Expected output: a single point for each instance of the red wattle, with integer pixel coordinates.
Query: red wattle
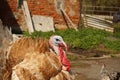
(64, 60)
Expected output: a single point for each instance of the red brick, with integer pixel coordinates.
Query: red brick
(45, 8)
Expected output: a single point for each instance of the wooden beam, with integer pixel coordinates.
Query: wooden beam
(65, 14)
(28, 17)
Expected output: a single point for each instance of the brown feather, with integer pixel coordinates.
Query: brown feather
(41, 66)
(33, 58)
(19, 49)
(26, 45)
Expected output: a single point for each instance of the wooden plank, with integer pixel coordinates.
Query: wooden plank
(28, 17)
(43, 23)
(65, 14)
(97, 23)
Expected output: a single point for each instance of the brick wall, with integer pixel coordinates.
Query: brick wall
(12, 16)
(6, 12)
(48, 8)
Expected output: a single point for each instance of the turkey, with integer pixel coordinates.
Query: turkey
(106, 75)
(5, 40)
(58, 44)
(38, 59)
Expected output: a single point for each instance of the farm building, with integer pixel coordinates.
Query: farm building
(22, 14)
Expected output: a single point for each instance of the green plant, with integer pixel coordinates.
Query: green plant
(113, 55)
(116, 27)
(85, 38)
(116, 35)
(115, 45)
(72, 57)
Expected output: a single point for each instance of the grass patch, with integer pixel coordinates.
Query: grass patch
(72, 57)
(113, 55)
(85, 38)
(80, 64)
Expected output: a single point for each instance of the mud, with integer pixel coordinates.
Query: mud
(90, 68)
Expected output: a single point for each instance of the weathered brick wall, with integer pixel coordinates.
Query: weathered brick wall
(6, 12)
(12, 16)
(48, 8)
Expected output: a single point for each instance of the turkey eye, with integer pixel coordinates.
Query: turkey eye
(57, 40)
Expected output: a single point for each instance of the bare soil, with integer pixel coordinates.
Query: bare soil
(87, 67)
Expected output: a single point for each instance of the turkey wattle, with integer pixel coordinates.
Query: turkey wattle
(57, 43)
(31, 59)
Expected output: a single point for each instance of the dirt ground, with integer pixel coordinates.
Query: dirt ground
(90, 68)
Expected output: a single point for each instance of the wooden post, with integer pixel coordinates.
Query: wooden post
(28, 17)
(74, 26)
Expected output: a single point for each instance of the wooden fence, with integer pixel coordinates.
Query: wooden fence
(92, 21)
(100, 10)
(99, 16)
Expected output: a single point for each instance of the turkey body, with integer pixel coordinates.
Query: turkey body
(31, 59)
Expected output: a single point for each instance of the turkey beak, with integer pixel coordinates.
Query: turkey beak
(63, 44)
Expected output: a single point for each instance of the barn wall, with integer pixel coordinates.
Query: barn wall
(48, 8)
(12, 16)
